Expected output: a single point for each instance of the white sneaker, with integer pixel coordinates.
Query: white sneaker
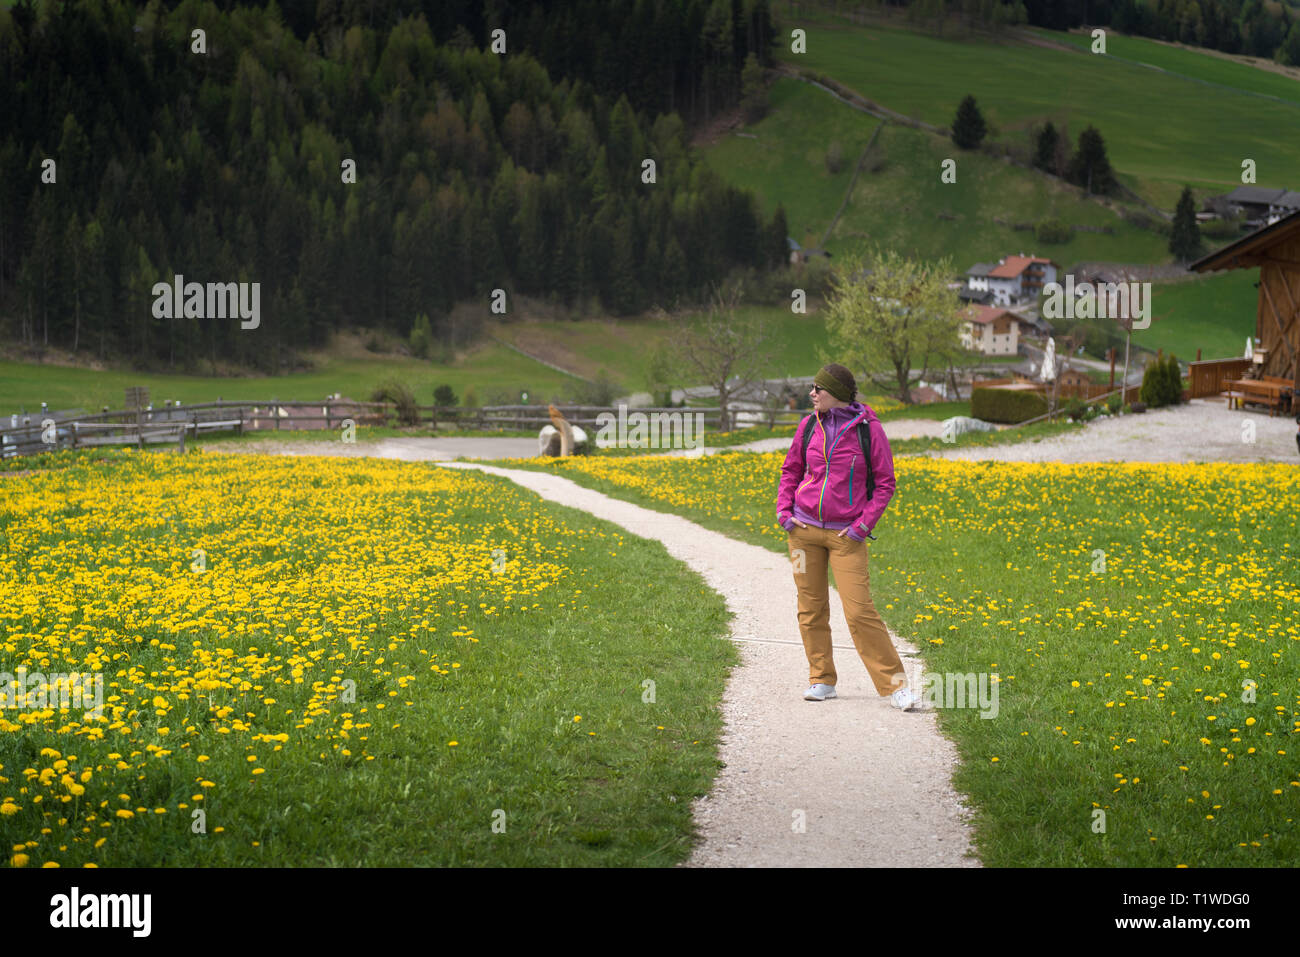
(904, 700)
(819, 693)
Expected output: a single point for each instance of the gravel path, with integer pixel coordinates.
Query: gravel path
(873, 783)
(1204, 430)
(408, 450)
(450, 449)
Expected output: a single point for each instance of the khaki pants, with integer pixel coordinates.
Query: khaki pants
(811, 549)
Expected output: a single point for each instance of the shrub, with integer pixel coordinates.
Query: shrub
(1153, 385)
(1222, 228)
(401, 397)
(1114, 404)
(444, 396)
(471, 397)
(598, 392)
(834, 157)
(421, 336)
(1173, 380)
(1162, 383)
(1075, 408)
(1053, 231)
(441, 353)
(1006, 405)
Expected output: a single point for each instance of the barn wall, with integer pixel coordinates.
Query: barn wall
(1282, 282)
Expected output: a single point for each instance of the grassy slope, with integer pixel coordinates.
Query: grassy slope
(489, 367)
(786, 163)
(900, 204)
(1191, 64)
(1018, 84)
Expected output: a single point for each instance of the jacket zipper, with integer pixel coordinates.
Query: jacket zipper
(851, 464)
(827, 457)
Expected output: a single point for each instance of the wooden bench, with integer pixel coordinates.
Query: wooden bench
(1234, 399)
(1287, 389)
(1262, 393)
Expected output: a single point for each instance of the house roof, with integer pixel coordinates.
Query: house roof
(1243, 252)
(985, 314)
(1013, 266)
(980, 269)
(791, 243)
(1288, 200)
(1254, 194)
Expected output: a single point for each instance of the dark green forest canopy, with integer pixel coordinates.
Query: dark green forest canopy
(474, 170)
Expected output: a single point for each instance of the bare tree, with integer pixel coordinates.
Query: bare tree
(726, 349)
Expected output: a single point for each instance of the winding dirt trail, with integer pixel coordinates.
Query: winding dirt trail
(870, 784)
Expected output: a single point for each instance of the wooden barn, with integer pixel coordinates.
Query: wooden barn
(1275, 250)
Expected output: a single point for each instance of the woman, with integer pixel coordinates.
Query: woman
(831, 496)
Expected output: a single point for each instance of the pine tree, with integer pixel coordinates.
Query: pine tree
(778, 242)
(753, 93)
(1045, 148)
(968, 129)
(1090, 168)
(1185, 239)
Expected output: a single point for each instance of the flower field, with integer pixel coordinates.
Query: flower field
(343, 662)
(1143, 621)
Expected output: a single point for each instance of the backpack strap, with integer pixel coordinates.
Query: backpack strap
(810, 424)
(864, 437)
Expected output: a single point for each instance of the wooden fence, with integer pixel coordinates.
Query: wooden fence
(1206, 378)
(1087, 391)
(1130, 396)
(45, 431)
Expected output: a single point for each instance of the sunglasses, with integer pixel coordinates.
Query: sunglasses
(818, 389)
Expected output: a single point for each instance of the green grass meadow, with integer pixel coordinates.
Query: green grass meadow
(544, 716)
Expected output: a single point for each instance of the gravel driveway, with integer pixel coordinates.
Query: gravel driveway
(1203, 430)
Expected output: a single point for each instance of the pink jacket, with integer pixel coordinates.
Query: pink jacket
(836, 497)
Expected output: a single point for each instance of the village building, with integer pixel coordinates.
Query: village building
(990, 330)
(1270, 376)
(1262, 205)
(1010, 280)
